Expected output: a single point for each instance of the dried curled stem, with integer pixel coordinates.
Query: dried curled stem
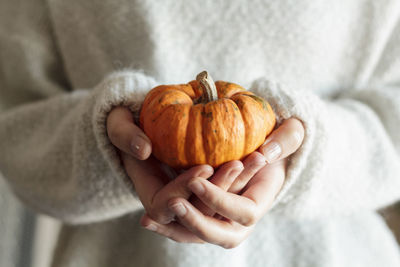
(209, 89)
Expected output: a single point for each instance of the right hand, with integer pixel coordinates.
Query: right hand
(249, 197)
(125, 135)
(151, 183)
(152, 186)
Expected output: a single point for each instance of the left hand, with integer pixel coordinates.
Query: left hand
(244, 204)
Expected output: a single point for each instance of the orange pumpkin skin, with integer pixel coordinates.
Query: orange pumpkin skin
(186, 133)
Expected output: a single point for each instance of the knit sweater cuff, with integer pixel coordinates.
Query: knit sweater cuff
(288, 103)
(123, 88)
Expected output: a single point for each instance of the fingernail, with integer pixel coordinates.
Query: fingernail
(178, 209)
(151, 227)
(272, 151)
(139, 147)
(196, 188)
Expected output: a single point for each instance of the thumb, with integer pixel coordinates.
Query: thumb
(284, 141)
(125, 135)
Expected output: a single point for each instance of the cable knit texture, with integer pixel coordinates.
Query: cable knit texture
(336, 67)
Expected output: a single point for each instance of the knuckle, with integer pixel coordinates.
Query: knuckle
(202, 171)
(257, 156)
(256, 161)
(236, 165)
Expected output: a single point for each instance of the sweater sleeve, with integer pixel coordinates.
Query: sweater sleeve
(57, 158)
(350, 157)
(55, 153)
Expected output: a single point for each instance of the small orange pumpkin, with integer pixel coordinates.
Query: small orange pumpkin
(203, 122)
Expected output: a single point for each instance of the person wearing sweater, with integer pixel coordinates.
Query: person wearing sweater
(68, 67)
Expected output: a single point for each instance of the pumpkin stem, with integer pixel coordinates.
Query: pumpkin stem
(208, 85)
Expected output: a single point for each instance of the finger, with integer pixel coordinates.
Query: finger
(178, 186)
(153, 191)
(147, 178)
(252, 164)
(284, 141)
(266, 184)
(173, 230)
(248, 208)
(220, 232)
(226, 174)
(158, 210)
(232, 206)
(125, 135)
(223, 178)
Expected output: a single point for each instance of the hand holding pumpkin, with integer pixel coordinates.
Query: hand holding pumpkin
(245, 203)
(237, 199)
(151, 183)
(125, 135)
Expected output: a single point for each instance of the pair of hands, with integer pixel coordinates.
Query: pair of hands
(226, 204)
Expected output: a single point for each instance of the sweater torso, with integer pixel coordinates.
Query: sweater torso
(310, 45)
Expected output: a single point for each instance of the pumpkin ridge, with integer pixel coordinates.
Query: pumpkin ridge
(155, 107)
(173, 136)
(203, 133)
(153, 93)
(259, 100)
(244, 127)
(186, 145)
(184, 156)
(156, 141)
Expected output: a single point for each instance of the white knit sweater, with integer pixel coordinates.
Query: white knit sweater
(335, 65)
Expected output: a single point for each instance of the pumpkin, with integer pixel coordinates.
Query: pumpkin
(203, 122)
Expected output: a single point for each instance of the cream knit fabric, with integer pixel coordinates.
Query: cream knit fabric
(335, 65)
